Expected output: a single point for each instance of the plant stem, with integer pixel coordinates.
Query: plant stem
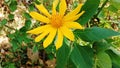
(100, 9)
(95, 60)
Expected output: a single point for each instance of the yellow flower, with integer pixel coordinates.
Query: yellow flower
(57, 24)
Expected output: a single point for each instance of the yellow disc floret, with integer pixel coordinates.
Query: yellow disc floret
(56, 20)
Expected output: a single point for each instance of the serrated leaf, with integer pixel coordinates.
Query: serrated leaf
(95, 34)
(90, 7)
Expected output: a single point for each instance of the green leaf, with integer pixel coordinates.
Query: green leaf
(87, 54)
(82, 57)
(26, 15)
(115, 59)
(90, 7)
(11, 16)
(11, 36)
(27, 26)
(3, 22)
(38, 1)
(10, 65)
(26, 39)
(31, 7)
(35, 49)
(95, 34)
(20, 38)
(28, 23)
(112, 8)
(103, 60)
(70, 64)
(101, 46)
(13, 6)
(14, 44)
(62, 56)
(115, 3)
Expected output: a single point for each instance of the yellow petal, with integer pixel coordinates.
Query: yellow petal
(74, 12)
(67, 33)
(59, 40)
(41, 36)
(50, 37)
(73, 25)
(39, 17)
(42, 9)
(62, 7)
(55, 3)
(73, 18)
(39, 30)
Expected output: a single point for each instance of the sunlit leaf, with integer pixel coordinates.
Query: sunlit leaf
(95, 33)
(103, 60)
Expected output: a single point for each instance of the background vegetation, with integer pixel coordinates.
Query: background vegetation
(97, 46)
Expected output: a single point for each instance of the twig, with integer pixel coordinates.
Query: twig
(9, 27)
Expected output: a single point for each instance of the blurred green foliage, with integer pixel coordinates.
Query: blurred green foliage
(101, 21)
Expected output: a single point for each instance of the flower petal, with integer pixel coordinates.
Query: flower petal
(73, 25)
(73, 18)
(59, 40)
(50, 37)
(42, 9)
(39, 30)
(39, 17)
(55, 3)
(62, 7)
(67, 33)
(74, 12)
(41, 36)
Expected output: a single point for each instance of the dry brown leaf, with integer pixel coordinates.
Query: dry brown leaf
(51, 63)
(32, 56)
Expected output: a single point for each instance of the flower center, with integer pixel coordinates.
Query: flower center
(56, 20)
